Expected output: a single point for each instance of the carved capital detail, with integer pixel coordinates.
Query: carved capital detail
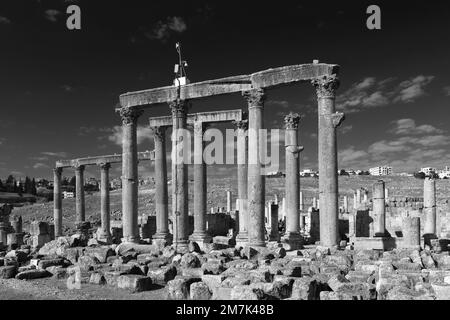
(159, 132)
(337, 119)
(105, 165)
(255, 97)
(292, 120)
(79, 167)
(243, 124)
(58, 171)
(179, 108)
(130, 115)
(326, 86)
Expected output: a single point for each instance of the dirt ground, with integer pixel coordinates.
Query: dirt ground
(56, 289)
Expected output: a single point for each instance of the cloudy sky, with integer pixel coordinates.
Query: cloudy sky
(59, 87)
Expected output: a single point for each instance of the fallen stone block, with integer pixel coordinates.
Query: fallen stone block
(100, 253)
(337, 282)
(97, 278)
(212, 268)
(190, 260)
(192, 272)
(87, 262)
(442, 291)
(33, 274)
(199, 291)
(26, 268)
(242, 264)
(231, 282)
(18, 255)
(221, 293)
(44, 264)
(403, 293)
(162, 275)
(134, 283)
(247, 293)
(178, 289)
(8, 272)
(212, 281)
(58, 272)
(305, 288)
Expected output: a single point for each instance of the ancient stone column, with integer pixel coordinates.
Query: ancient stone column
(302, 216)
(358, 197)
(57, 201)
(429, 206)
(314, 203)
(292, 188)
(256, 177)
(411, 232)
(180, 214)
(200, 234)
(329, 120)
(345, 204)
(162, 234)
(130, 174)
(104, 234)
(242, 126)
(379, 207)
(79, 190)
(365, 196)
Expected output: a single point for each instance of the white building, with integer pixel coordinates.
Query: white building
(380, 171)
(67, 194)
(428, 171)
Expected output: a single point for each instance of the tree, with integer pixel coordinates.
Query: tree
(10, 184)
(419, 175)
(33, 189)
(27, 185)
(2, 188)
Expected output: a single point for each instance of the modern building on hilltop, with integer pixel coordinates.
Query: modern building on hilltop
(380, 171)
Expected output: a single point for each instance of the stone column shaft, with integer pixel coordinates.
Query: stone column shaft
(345, 204)
(200, 186)
(328, 180)
(411, 232)
(242, 151)
(292, 187)
(161, 197)
(256, 178)
(79, 190)
(105, 234)
(180, 214)
(429, 206)
(57, 201)
(130, 174)
(379, 208)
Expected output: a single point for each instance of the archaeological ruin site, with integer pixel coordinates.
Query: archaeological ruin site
(372, 246)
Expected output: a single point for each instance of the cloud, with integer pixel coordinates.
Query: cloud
(412, 89)
(4, 20)
(61, 154)
(44, 158)
(408, 126)
(87, 131)
(447, 90)
(67, 88)
(346, 129)
(52, 15)
(163, 30)
(115, 136)
(40, 165)
(370, 93)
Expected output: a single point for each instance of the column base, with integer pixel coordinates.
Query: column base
(105, 238)
(162, 239)
(256, 244)
(242, 239)
(181, 246)
(292, 241)
(130, 239)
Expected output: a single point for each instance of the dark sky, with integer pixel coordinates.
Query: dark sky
(58, 87)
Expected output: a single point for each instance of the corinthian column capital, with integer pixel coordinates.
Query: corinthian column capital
(130, 115)
(179, 108)
(255, 97)
(158, 132)
(326, 86)
(58, 171)
(105, 165)
(79, 167)
(243, 124)
(292, 120)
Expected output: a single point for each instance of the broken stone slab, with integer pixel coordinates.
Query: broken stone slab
(337, 282)
(276, 290)
(222, 293)
(134, 283)
(87, 262)
(33, 274)
(58, 272)
(178, 289)
(231, 282)
(199, 291)
(97, 278)
(138, 248)
(410, 266)
(403, 293)
(442, 291)
(26, 268)
(192, 272)
(163, 274)
(8, 272)
(212, 281)
(212, 268)
(247, 293)
(241, 264)
(305, 288)
(44, 264)
(18, 255)
(190, 260)
(101, 253)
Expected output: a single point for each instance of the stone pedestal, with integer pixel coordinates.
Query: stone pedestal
(328, 180)
(411, 232)
(256, 177)
(130, 174)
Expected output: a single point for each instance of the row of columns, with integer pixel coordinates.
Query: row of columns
(104, 234)
(251, 177)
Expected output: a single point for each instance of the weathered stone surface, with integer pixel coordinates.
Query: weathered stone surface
(18, 255)
(442, 291)
(33, 274)
(8, 272)
(222, 293)
(190, 260)
(212, 281)
(97, 278)
(87, 262)
(212, 268)
(305, 288)
(192, 272)
(247, 293)
(134, 283)
(200, 291)
(58, 272)
(177, 289)
(403, 293)
(100, 253)
(231, 282)
(163, 274)
(44, 264)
